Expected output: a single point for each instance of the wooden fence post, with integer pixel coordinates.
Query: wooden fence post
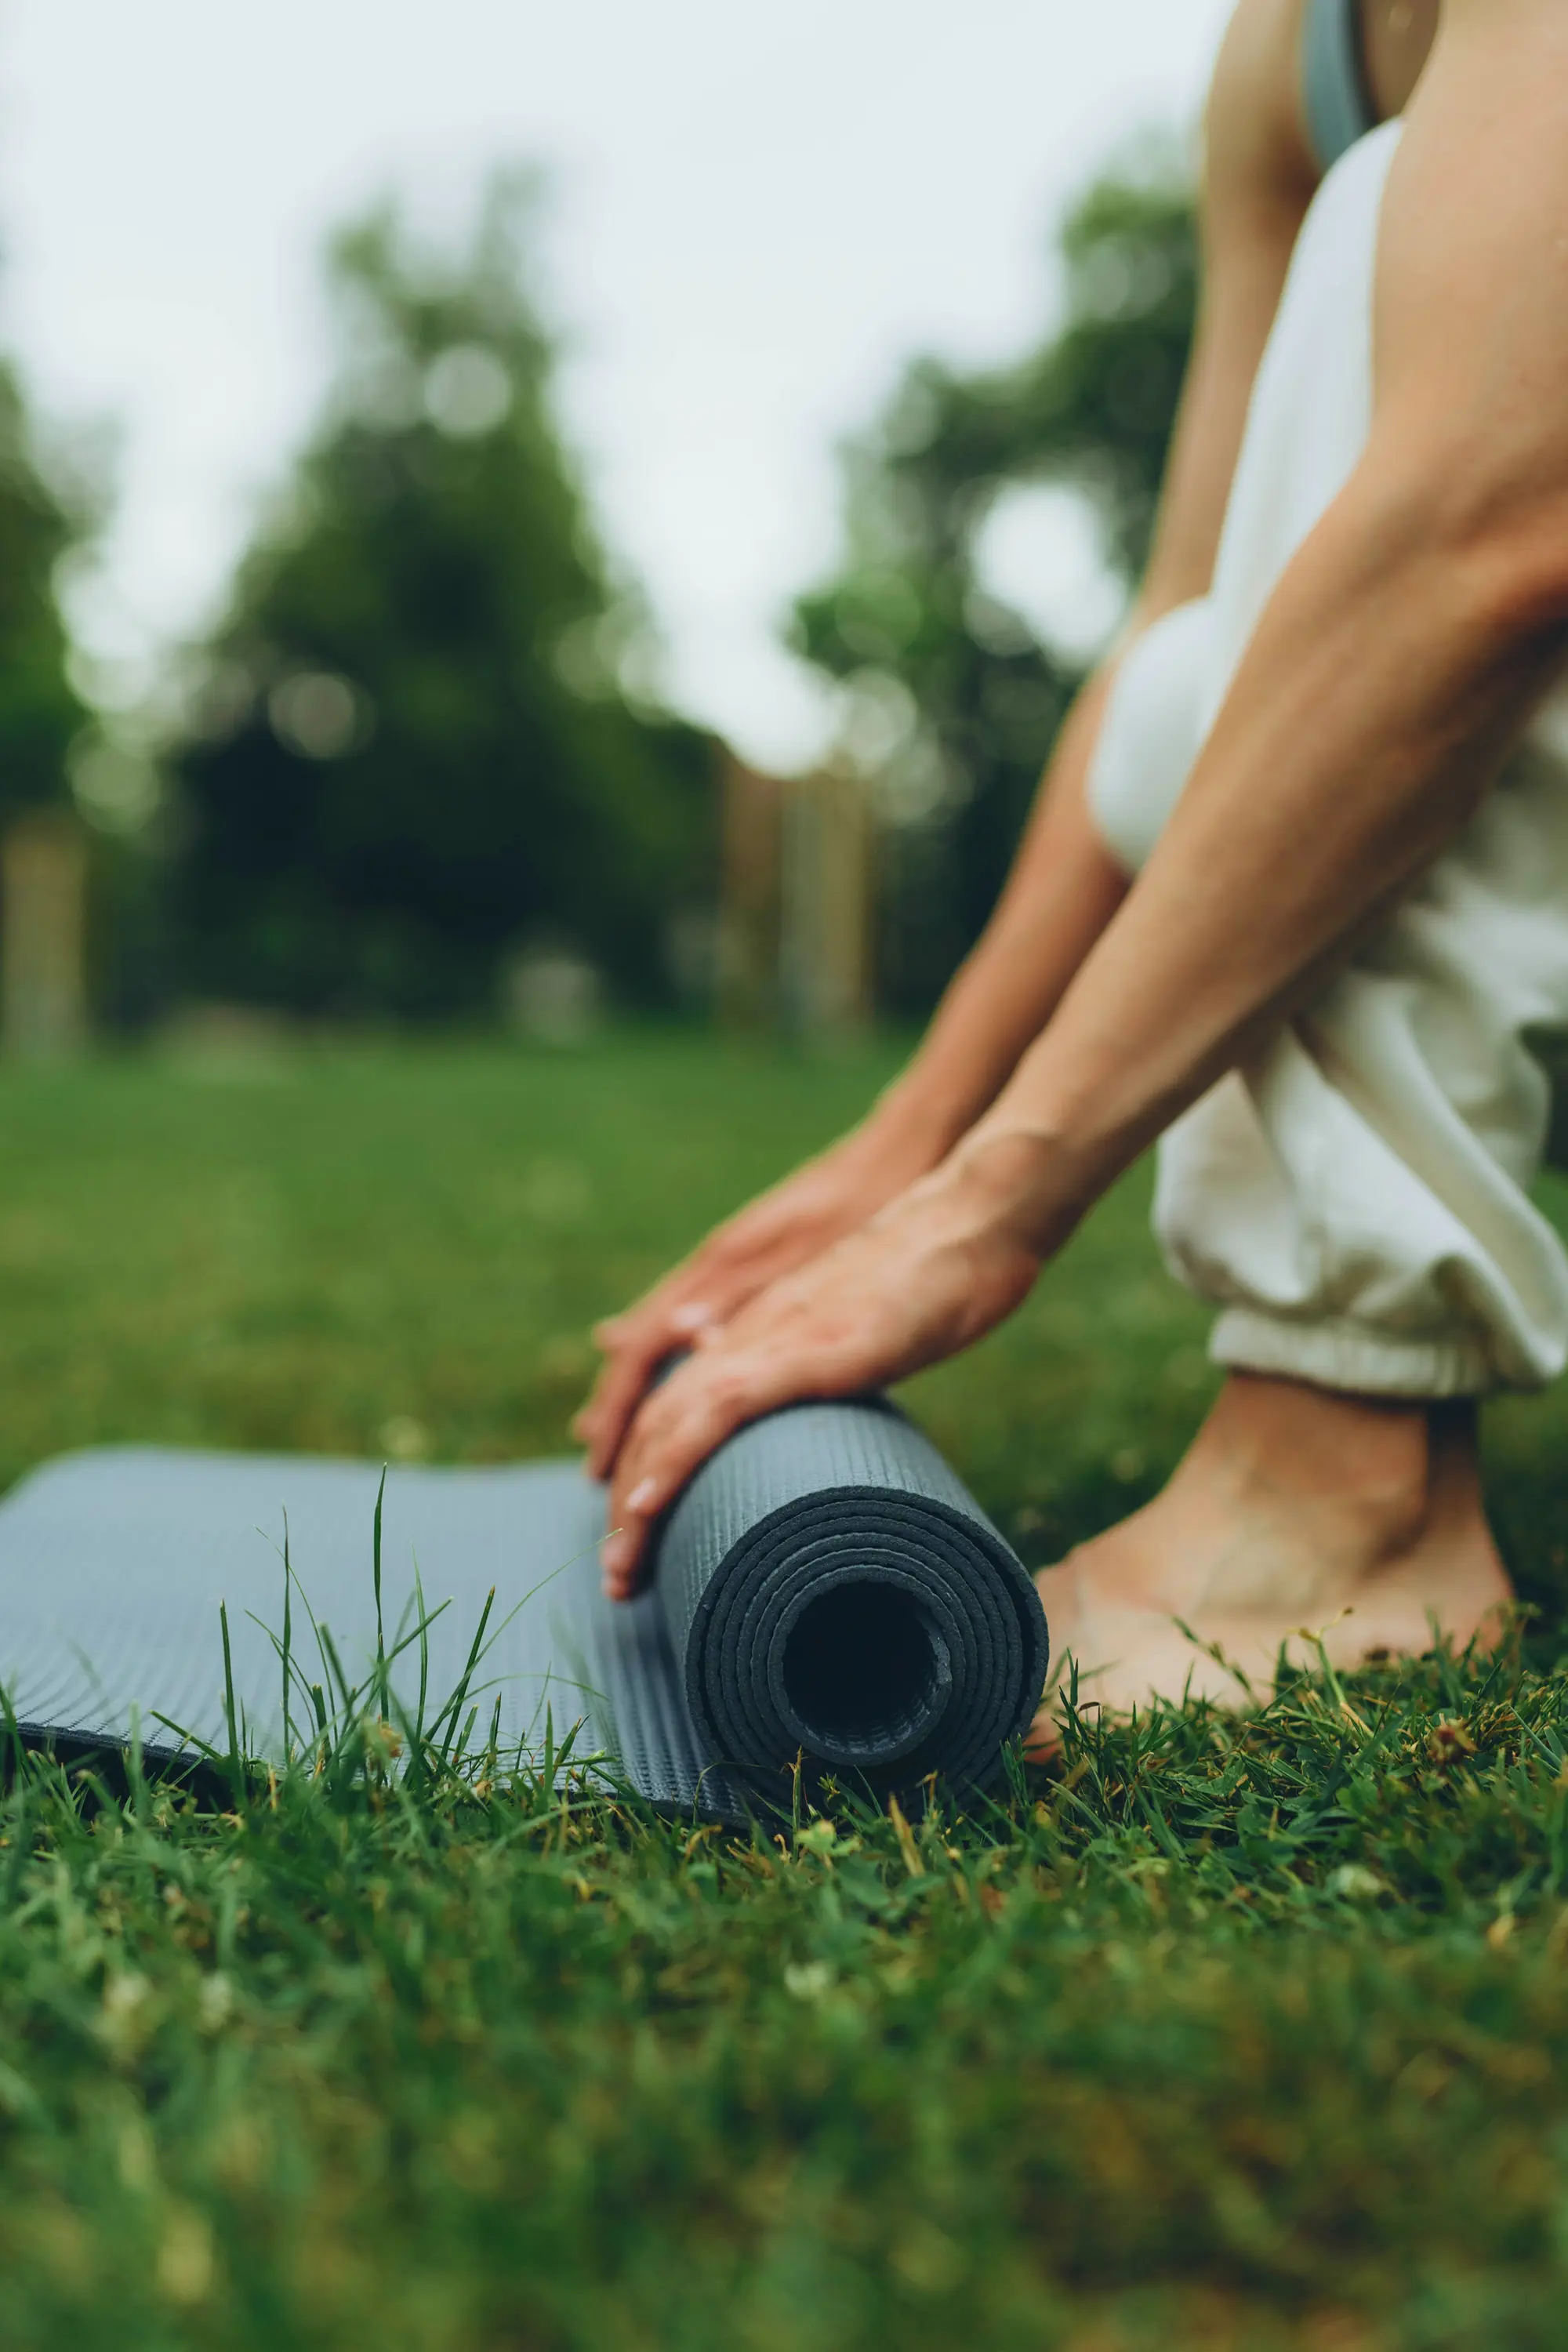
(826, 959)
(750, 896)
(43, 936)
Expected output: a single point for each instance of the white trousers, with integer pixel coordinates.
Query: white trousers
(1355, 1200)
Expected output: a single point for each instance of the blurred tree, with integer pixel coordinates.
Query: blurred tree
(953, 700)
(40, 520)
(418, 740)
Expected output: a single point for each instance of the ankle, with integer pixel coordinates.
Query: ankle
(1374, 1458)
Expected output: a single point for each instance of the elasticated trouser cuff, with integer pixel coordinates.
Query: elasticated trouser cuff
(1348, 1357)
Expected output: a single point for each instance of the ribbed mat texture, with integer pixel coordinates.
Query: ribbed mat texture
(826, 1590)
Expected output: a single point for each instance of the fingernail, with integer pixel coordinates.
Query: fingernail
(612, 1554)
(692, 1317)
(643, 1496)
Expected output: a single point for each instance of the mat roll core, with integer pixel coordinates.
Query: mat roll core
(825, 1590)
(834, 1592)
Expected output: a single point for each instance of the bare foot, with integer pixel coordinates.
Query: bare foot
(1296, 1508)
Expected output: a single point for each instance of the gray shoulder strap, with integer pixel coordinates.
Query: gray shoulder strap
(1338, 112)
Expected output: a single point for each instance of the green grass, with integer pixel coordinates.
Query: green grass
(1224, 2034)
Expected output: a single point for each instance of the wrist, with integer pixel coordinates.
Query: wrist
(1020, 1183)
(916, 1123)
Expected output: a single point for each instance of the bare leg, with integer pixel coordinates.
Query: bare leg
(1296, 1511)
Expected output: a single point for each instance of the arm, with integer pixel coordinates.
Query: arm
(1405, 647)
(1065, 887)
(1258, 182)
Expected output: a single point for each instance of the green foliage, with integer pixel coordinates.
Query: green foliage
(1237, 2032)
(952, 695)
(1098, 403)
(39, 712)
(416, 742)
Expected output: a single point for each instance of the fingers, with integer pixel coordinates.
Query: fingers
(636, 1345)
(734, 1265)
(605, 1420)
(662, 1457)
(699, 1406)
(615, 1331)
(686, 1322)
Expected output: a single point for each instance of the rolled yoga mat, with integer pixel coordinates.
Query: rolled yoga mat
(826, 1589)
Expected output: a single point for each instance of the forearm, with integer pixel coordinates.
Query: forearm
(1383, 687)
(1063, 889)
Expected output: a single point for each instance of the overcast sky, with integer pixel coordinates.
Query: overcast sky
(760, 212)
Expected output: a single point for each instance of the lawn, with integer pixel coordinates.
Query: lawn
(1223, 2035)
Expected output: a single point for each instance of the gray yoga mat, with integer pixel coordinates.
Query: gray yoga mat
(825, 1588)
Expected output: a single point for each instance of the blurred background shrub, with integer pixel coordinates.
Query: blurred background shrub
(421, 770)
(953, 696)
(46, 509)
(418, 742)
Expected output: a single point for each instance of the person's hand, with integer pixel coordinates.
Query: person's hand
(932, 1272)
(784, 1230)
